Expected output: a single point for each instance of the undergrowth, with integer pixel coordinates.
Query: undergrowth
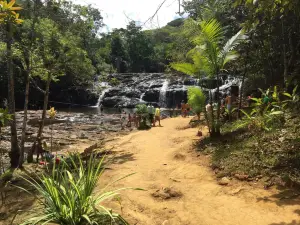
(257, 153)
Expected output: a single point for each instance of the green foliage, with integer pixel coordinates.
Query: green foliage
(196, 99)
(267, 116)
(4, 117)
(68, 197)
(209, 57)
(114, 82)
(141, 109)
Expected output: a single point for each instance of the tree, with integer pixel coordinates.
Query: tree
(27, 48)
(210, 56)
(9, 17)
(140, 49)
(118, 53)
(59, 54)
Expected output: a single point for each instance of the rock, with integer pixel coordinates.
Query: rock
(241, 176)
(83, 136)
(35, 122)
(73, 136)
(281, 139)
(166, 193)
(224, 181)
(179, 156)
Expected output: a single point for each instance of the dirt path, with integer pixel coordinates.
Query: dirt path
(163, 159)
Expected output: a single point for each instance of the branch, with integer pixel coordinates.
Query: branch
(151, 18)
(36, 86)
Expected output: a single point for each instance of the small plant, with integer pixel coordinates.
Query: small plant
(196, 99)
(142, 112)
(68, 198)
(141, 109)
(52, 114)
(114, 82)
(293, 99)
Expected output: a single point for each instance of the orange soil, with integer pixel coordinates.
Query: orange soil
(164, 159)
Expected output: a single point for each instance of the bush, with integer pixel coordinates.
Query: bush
(141, 109)
(196, 99)
(67, 195)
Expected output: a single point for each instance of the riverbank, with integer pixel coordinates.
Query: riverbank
(71, 131)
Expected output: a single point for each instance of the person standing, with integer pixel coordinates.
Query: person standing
(157, 116)
(135, 120)
(188, 108)
(123, 119)
(129, 120)
(151, 112)
(228, 102)
(183, 108)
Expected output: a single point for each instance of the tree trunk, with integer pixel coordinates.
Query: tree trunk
(15, 149)
(285, 73)
(40, 132)
(218, 131)
(41, 127)
(241, 94)
(24, 120)
(242, 85)
(28, 60)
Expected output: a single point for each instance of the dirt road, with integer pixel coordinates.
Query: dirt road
(180, 187)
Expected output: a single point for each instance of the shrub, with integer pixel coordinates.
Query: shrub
(67, 195)
(196, 99)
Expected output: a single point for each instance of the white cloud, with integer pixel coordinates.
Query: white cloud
(115, 12)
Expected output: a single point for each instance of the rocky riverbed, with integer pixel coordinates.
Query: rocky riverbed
(71, 131)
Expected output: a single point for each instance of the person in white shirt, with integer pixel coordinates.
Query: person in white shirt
(208, 107)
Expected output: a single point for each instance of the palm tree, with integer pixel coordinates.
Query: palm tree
(210, 55)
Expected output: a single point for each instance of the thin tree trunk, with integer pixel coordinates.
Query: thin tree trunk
(46, 97)
(242, 85)
(218, 131)
(212, 116)
(24, 120)
(241, 94)
(15, 149)
(285, 73)
(38, 140)
(28, 60)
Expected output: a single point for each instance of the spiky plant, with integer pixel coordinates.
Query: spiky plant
(68, 198)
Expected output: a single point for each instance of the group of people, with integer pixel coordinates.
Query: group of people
(134, 118)
(154, 116)
(227, 102)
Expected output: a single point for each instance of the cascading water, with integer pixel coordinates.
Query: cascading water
(167, 91)
(105, 88)
(102, 95)
(163, 94)
(143, 94)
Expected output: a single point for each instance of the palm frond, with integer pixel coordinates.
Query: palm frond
(228, 54)
(211, 31)
(186, 68)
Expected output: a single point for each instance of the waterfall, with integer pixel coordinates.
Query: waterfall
(105, 88)
(163, 94)
(102, 95)
(143, 94)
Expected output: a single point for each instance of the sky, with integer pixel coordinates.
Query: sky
(118, 13)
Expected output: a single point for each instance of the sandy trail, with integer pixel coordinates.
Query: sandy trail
(164, 157)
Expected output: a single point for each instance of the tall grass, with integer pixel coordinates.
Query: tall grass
(67, 197)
